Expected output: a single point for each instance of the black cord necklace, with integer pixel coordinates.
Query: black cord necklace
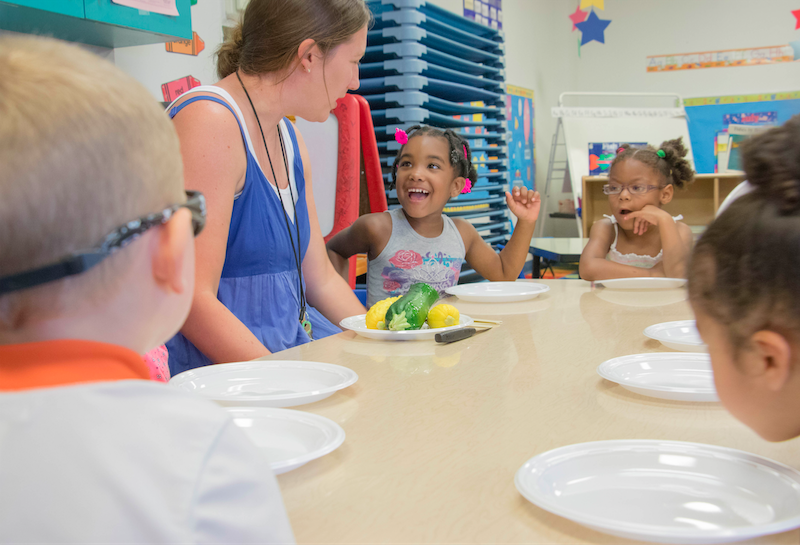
(296, 252)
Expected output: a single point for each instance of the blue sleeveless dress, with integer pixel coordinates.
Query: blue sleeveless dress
(259, 281)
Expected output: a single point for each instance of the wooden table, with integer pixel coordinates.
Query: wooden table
(435, 433)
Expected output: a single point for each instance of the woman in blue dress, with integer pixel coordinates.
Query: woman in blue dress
(263, 278)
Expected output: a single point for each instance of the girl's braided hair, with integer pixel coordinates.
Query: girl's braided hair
(461, 161)
(745, 269)
(673, 166)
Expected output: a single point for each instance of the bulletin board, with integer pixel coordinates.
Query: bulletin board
(520, 118)
(709, 115)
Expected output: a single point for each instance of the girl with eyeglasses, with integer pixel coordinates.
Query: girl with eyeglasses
(640, 238)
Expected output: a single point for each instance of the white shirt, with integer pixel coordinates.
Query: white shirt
(739, 191)
(131, 461)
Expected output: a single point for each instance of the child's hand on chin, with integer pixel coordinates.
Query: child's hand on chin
(524, 203)
(642, 219)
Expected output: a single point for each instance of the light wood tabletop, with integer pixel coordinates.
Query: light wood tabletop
(436, 433)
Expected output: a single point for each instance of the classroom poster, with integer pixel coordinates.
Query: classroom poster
(485, 12)
(737, 134)
(720, 59)
(481, 160)
(519, 116)
(601, 155)
(709, 118)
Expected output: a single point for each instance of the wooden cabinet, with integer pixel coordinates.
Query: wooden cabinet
(698, 203)
(96, 22)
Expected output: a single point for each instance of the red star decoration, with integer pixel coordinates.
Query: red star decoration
(796, 14)
(579, 17)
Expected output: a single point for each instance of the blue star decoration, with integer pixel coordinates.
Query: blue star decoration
(593, 28)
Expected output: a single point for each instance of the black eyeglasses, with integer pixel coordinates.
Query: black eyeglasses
(635, 189)
(120, 237)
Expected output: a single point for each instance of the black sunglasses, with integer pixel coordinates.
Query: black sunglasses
(79, 262)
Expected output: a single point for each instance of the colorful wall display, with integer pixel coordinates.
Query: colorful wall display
(710, 117)
(187, 47)
(520, 118)
(591, 26)
(724, 58)
(486, 12)
(175, 88)
(601, 154)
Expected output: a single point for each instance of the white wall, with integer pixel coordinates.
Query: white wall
(542, 54)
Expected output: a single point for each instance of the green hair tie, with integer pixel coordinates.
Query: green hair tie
(661, 153)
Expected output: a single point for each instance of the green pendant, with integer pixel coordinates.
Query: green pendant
(306, 326)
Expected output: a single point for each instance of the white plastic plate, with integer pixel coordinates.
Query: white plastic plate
(642, 283)
(359, 325)
(664, 491)
(497, 292)
(288, 438)
(666, 375)
(681, 335)
(266, 383)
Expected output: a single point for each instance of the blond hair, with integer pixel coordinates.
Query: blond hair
(271, 31)
(84, 148)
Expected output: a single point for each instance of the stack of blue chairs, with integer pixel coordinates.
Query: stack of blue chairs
(426, 65)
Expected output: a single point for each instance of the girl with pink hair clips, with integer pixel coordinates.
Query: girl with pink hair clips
(417, 242)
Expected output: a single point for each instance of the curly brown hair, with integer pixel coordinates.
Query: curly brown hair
(745, 269)
(673, 167)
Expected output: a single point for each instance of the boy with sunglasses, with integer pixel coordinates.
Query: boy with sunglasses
(97, 267)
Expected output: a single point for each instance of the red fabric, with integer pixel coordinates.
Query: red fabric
(348, 172)
(372, 161)
(58, 363)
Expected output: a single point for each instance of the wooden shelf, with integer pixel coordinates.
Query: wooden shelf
(698, 203)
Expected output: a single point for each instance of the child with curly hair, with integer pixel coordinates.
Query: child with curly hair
(640, 238)
(744, 288)
(417, 242)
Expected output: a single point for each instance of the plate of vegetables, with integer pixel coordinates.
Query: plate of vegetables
(411, 317)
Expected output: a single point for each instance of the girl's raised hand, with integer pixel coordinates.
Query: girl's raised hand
(524, 203)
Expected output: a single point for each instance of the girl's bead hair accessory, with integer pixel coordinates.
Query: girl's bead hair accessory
(401, 136)
(467, 182)
(661, 153)
(620, 150)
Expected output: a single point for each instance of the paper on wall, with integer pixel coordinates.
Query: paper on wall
(164, 7)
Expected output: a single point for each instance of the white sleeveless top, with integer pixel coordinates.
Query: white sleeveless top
(286, 196)
(634, 260)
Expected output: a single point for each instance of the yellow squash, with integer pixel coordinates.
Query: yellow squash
(377, 313)
(443, 316)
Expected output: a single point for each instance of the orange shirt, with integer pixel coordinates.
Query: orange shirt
(63, 362)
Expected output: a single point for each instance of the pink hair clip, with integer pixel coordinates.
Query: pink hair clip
(465, 151)
(467, 186)
(620, 150)
(400, 135)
